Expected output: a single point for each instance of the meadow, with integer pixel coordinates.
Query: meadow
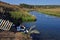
(51, 11)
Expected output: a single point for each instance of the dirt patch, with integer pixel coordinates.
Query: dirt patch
(6, 35)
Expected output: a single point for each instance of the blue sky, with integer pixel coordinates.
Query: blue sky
(34, 2)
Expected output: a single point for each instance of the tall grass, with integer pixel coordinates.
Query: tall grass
(24, 16)
(53, 12)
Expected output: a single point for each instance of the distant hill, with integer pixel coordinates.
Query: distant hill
(4, 3)
(11, 7)
(8, 6)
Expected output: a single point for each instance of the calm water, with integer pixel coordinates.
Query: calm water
(49, 26)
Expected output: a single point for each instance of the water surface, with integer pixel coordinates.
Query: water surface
(49, 26)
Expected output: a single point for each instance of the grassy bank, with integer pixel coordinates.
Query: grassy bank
(24, 16)
(51, 11)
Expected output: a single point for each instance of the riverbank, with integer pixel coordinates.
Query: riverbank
(6, 35)
(51, 11)
(24, 15)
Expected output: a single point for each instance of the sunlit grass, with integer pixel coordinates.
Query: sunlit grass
(54, 12)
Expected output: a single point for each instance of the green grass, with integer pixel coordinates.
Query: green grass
(25, 16)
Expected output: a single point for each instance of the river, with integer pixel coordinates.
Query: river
(48, 26)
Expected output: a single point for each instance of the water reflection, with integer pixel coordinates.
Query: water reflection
(49, 26)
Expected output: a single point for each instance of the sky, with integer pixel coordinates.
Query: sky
(34, 2)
